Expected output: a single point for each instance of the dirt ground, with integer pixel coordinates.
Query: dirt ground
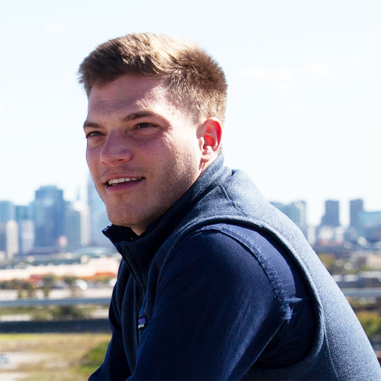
(43, 357)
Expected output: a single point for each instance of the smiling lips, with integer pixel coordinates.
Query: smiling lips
(123, 180)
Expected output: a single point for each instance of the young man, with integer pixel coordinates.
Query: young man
(214, 283)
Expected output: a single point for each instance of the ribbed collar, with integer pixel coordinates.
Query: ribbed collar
(138, 251)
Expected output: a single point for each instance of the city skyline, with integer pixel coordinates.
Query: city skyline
(315, 207)
(303, 100)
(90, 196)
(52, 225)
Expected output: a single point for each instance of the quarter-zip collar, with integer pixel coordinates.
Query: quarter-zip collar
(138, 251)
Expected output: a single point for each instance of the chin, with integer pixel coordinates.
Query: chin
(118, 218)
(119, 222)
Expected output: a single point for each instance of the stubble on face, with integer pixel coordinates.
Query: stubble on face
(165, 187)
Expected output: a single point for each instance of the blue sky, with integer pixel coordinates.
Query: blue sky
(303, 117)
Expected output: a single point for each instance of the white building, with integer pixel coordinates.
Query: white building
(9, 242)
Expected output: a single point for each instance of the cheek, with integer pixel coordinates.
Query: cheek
(91, 161)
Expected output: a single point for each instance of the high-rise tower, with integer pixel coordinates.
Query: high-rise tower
(355, 208)
(48, 216)
(331, 216)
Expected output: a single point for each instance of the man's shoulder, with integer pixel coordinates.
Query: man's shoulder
(225, 260)
(221, 236)
(239, 249)
(219, 245)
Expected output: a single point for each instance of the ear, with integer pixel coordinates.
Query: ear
(209, 134)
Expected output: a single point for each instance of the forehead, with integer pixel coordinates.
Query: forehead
(128, 92)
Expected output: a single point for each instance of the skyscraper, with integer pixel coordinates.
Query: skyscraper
(26, 228)
(355, 208)
(26, 236)
(9, 238)
(370, 225)
(331, 216)
(76, 226)
(48, 216)
(7, 211)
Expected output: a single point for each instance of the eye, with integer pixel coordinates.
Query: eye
(93, 134)
(144, 125)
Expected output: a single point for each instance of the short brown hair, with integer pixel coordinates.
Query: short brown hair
(195, 81)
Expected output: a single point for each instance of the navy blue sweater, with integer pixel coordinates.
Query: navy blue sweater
(208, 296)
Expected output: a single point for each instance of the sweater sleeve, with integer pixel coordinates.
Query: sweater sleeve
(216, 309)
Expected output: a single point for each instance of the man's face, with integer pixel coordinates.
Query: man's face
(143, 152)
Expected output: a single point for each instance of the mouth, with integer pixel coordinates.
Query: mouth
(114, 182)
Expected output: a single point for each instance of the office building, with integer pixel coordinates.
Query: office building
(355, 208)
(26, 236)
(7, 211)
(76, 225)
(9, 238)
(370, 226)
(331, 216)
(26, 228)
(48, 216)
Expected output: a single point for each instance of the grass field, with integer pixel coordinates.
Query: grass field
(53, 357)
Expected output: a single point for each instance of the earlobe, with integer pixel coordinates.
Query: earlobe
(210, 140)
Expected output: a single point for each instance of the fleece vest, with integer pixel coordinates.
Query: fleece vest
(341, 350)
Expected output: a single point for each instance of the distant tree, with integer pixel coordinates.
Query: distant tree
(371, 322)
(333, 265)
(6, 285)
(68, 313)
(26, 290)
(70, 282)
(48, 283)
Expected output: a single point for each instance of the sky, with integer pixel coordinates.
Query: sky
(303, 114)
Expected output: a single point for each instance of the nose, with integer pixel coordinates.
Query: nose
(116, 149)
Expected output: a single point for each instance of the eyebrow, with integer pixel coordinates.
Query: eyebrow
(128, 118)
(138, 115)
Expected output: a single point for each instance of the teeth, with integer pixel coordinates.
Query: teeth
(123, 180)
